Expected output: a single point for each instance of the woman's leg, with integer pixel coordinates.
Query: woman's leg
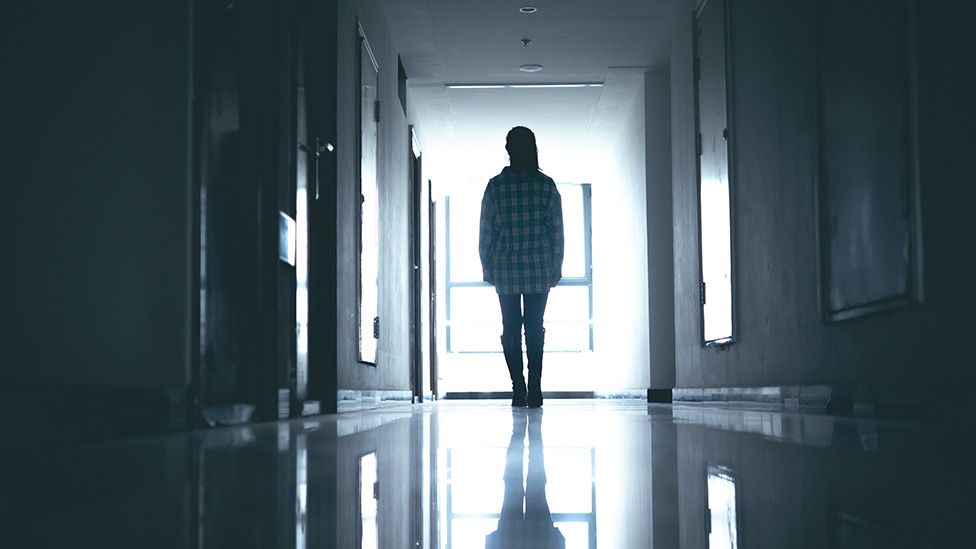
(512, 344)
(535, 335)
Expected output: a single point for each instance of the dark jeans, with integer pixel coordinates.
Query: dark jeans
(514, 317)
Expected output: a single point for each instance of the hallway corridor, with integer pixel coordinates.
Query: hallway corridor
(613, 474)
(249, 277)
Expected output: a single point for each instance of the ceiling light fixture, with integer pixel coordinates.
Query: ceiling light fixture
(523, 86)
(475, 86)
(528, 9)
(531, 67)
(574, 85)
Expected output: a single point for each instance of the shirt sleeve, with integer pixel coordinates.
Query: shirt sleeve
(556, 237)
(488, 237)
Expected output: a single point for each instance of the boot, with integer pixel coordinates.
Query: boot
(512, 348)
(534, 343)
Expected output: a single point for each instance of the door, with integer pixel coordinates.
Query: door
(416, 276)
(263, 115)
(223, 376)
(432, 284)
(320, 100)
(868, 184)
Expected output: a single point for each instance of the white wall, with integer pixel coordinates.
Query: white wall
(620, 305)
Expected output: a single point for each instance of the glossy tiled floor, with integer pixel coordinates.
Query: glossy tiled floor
(577, 474)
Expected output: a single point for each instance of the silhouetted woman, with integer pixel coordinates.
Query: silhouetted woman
(521, 248)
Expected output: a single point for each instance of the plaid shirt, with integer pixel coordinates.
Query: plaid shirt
(521, 244)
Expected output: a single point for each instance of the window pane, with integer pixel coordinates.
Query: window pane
(568, 303)
(475, 304)
(574, 260)
(474, 316)
(464, 219)
(476, 321)
(475, 337)
(567, 336)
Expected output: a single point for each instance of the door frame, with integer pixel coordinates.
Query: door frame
(432, 285)
(321, 60)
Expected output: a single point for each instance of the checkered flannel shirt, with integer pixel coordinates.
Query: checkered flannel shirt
(521, 243)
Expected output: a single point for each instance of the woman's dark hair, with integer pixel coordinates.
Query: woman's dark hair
(520, 144)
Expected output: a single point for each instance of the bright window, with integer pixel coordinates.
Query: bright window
(474, 321)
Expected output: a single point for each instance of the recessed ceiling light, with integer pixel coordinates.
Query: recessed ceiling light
(571, 85)
(530, 68)
(528, 9)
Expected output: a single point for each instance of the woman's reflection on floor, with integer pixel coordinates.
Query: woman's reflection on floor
(532, 527)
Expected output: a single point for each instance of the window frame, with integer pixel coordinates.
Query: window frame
(585, 280)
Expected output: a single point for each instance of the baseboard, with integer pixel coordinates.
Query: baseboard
(355, 400)
(856, 400)
(506, 395)
(798, 396)
(659, 396)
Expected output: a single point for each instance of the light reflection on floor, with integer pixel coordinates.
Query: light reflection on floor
(482, 485)
(577, 474)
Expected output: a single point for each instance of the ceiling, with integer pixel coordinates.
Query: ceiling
(479, 42)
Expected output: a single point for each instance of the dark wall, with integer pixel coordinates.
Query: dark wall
(781, 339)
(95, 193)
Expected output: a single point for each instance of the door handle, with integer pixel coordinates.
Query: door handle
(319, 149)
